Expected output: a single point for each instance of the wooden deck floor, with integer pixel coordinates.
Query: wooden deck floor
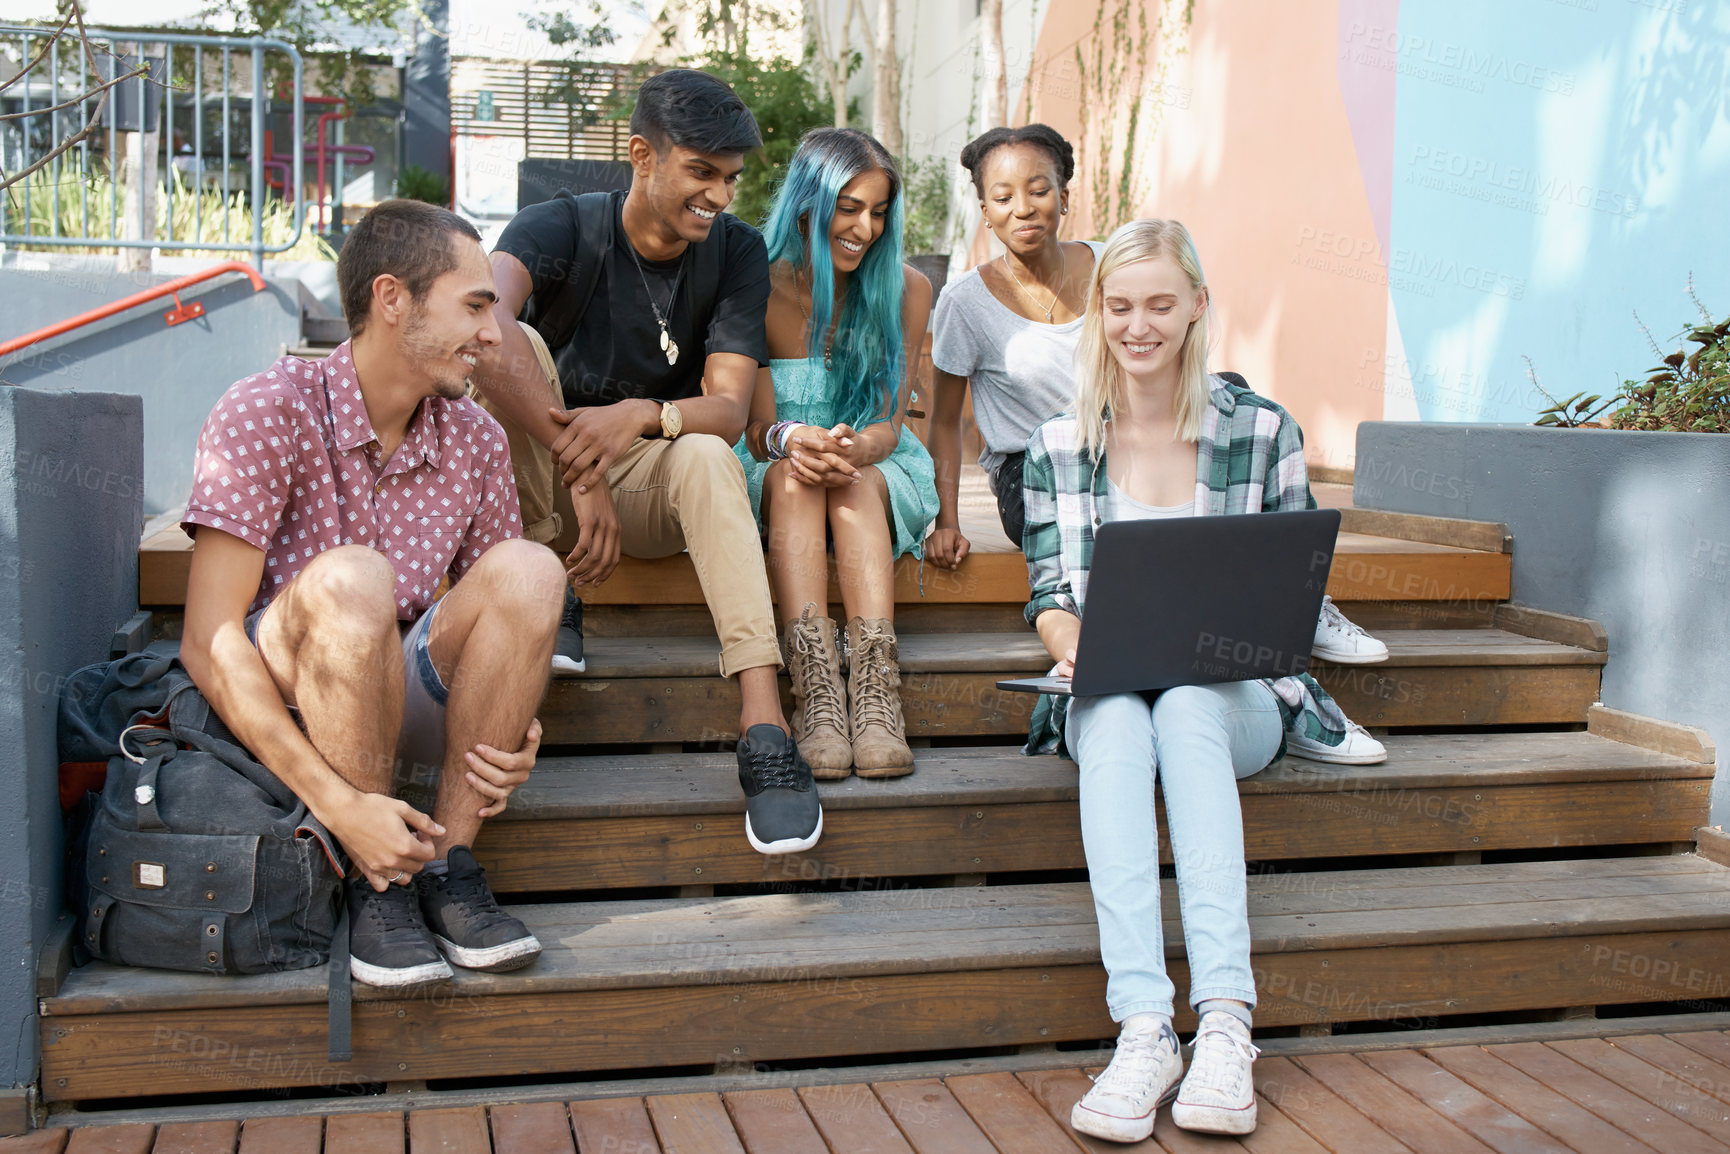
(1641, 1092)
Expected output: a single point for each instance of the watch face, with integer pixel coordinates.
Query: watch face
(671, 420)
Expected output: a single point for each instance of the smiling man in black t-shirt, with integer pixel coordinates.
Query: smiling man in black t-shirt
(653, 302)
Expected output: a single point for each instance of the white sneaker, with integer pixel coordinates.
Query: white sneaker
(1142, 1077)
(1340, 641)
(1359, 748)
(1218, 1095)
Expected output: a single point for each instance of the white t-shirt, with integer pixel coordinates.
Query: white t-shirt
(1022, 371)
(1120, 506)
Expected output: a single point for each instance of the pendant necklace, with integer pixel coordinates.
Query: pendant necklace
(1061, 285)
(829, 344)
(668, 344)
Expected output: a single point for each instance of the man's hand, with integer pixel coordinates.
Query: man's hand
(820, 457)
(598, 537)
(595, 437)
(385, 837)
(947, 547)
(496, 774)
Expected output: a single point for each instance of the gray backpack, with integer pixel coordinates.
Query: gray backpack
(194, 856)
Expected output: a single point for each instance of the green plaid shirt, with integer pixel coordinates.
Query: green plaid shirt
(1249, 459)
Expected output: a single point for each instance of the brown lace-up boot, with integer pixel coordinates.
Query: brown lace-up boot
(874, 673)
(819, 701)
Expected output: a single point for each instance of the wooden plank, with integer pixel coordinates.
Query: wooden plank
(1372, 572)
(41, 1142)
(128, 1138)
(217, 1137)
(1660, 1087)
(298, 1135)
(458, 1130)
(1275, 1133)
(613, 1124)
(930, 1118)
(1613, 1103)
(774, 1122)
(1320, 1112)
(1379, 695)
(694, 1124)
(1527, 621)
(1008, 1115)
(852, 1120)
(1685, 741)
(1399, 1113)
(1713, 844)
(1714, 1044)
(1531, 1099)
(532, 1128)
(1695, 1070)
(379, 1133)
(1058, 1091)
(1485, 535)
(1490, 1122)
(710, 849)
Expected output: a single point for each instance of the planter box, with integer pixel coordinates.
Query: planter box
(1629, 529)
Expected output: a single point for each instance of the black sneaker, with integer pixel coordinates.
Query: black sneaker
(467, 922)
(782, 813)
(389, 944)
(568, 649)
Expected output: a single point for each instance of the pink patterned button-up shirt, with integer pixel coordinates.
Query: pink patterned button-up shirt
(288, 462)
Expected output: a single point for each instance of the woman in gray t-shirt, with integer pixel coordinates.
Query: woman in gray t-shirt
(1009, 327)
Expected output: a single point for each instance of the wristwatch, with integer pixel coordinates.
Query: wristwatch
(672, 421)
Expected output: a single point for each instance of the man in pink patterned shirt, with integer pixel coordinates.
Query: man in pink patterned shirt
(330, 501)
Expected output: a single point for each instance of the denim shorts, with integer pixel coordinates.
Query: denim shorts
(420, 747)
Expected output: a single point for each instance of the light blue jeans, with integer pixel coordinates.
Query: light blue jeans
(1197, 740)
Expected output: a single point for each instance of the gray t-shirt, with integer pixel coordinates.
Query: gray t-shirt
(1022, 371)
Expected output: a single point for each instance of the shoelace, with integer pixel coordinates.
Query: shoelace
(1132, 1067)
(822, 694)
(1215, 1062)
(774, 769)
(1337, 620)
(873, 703)
(398, 908)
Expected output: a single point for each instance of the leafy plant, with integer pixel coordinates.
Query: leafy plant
(194, 217)
(417, 183)
(1688, 392)
(926, 185)
(1572, 413)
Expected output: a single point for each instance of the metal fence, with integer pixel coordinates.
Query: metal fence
(199, 113)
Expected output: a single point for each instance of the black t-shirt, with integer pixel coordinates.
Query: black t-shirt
(615, 353)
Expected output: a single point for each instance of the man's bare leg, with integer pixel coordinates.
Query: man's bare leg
(492, 645)
(331, 642)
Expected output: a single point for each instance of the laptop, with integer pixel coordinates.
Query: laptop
(1198, 601)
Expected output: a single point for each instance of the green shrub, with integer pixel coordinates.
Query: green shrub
(416, 183)
(1690, 391)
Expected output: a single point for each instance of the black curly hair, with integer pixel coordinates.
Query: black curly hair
(1039, 135)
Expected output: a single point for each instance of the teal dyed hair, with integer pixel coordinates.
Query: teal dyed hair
(868, 341)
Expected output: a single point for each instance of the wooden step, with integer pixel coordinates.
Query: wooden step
(678, 982)
(623, 821)
(663, 689)
(1365, 568)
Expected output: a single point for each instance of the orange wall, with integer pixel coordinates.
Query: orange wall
(1270, 189)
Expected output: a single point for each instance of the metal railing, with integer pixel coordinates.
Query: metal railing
(43, 71)
(179, 314)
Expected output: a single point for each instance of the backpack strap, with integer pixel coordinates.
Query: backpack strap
(592, 214)
(705, 277)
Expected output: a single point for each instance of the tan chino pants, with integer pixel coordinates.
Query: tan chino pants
(685, 494)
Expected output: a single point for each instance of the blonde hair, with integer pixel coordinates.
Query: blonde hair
(1098, 377)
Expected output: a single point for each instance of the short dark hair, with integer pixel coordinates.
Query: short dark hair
(409, 239)
(693, 110)
(1039, 135)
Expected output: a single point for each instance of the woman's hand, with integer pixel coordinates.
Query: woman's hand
(820, 457)
(947, 547)
(1066, 667)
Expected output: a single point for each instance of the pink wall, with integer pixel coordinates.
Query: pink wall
(1256, 156)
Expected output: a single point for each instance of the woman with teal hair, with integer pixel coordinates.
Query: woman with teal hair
(826, 453)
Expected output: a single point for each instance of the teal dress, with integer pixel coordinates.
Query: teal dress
(803, 394)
